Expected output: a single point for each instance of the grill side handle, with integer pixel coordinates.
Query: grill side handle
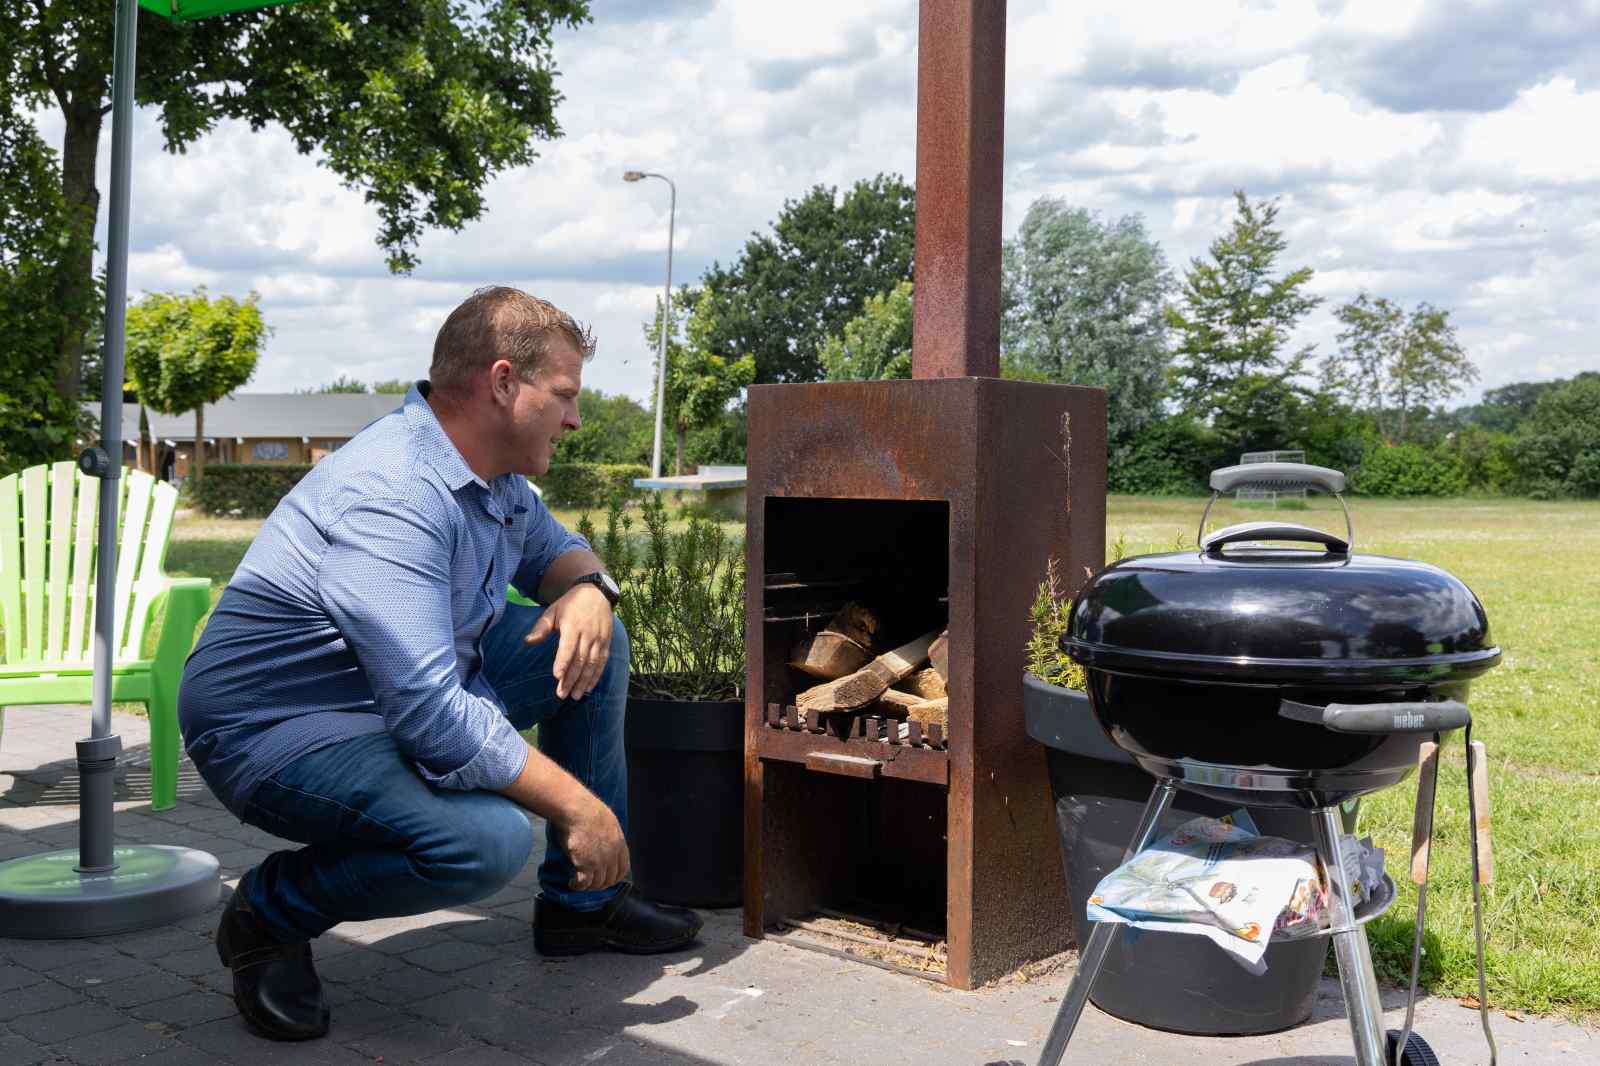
(1440, 717)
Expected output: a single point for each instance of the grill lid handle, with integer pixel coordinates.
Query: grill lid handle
(1274, 531)
(1440, 717)
(1277, 476)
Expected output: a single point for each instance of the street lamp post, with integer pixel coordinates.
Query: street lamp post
(666, 314)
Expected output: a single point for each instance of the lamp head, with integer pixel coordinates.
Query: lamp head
(633, 175)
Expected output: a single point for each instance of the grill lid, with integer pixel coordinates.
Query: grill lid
(1262, 615)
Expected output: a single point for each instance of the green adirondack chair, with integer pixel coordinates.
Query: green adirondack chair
(47, 581)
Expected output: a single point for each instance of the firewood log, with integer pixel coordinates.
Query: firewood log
(931, 711)
(939, 656)
(894, 703)
(868, 683)
(841, 647)
(925, 684)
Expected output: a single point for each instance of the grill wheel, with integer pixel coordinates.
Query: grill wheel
(1418, 1053)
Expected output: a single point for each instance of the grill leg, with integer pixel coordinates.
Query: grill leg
(1356, 977)
(1094, 952)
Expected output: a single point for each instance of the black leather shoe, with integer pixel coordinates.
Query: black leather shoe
(275, 986)
(628, 923)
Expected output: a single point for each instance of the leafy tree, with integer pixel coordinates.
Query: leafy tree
(1235, 317)
(1083, 303)
(37, 424)
(614, 429)
(342, 383)
(1506, 408)
(417, 103)
(701, 379)
(874, 345)
(187, 351)
(1558, 449)
(393, 386)
(792, 288)
(1395, 364)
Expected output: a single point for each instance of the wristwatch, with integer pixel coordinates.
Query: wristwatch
(602, 581)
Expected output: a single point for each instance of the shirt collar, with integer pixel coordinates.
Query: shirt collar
(433, 443)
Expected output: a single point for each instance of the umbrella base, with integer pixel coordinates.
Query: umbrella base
(43, 897)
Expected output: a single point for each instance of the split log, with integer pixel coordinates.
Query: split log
(894, 704)
(936, 712)
(841, 647)
(925, 684)
(939, 656)
(867, 684)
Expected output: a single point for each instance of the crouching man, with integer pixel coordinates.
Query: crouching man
(360, 686)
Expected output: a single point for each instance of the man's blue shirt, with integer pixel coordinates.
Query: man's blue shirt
(360, 607)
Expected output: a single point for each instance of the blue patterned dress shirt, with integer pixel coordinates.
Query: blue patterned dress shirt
(360, 607)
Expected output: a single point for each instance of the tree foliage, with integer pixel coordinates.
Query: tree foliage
(791, 289)
(416, 103)
(613, 429)
(1083, 303)
(1235, 316)
(1558, 449)
(701, 378)
(187, 351)
(874, 345)
(1394, 364)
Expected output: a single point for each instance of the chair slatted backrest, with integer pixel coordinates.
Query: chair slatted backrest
(48, 544)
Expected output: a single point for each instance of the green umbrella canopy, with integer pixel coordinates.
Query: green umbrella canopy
(189, 10)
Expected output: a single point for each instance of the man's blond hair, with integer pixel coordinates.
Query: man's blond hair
(499, 322)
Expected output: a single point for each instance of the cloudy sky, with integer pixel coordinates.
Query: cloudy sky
(1440, 150)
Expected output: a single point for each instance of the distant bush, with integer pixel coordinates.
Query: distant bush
(240, 490)
(1409, 470)
(588, 485)
(1168, 457)
(1557, 451)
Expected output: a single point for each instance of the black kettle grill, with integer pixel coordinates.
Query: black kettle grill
(1283, 677)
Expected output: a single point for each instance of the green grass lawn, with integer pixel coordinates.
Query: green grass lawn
(1534, 566)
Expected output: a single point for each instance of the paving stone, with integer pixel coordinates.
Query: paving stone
(356, 966)
(494, 930)
(191, 963)
(64, 1023)
(46, 955)
(132, 991)
(476, 1054)
(409, 940)
(19, 1051)
(406, 984)
(17, 977)
(412, 1042)
(155, 944)
(183, 1011)
(101, 969)
(355, 1016)
(229, 1040)
(43, 995)
(450, 956)
(130, 1041)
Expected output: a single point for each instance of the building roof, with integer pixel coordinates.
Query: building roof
(337, 415)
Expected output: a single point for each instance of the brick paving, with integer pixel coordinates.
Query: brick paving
(465, 988)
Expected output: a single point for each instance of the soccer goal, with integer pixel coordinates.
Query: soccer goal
(1290, 455)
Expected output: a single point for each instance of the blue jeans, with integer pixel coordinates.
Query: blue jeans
(381, 841)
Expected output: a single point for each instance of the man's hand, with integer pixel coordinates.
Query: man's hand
(582, 619)
(593, 841)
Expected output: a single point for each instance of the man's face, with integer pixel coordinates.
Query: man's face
(544, 411)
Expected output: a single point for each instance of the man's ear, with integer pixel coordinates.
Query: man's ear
(502, 382)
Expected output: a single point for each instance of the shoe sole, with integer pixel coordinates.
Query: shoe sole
(565, 947)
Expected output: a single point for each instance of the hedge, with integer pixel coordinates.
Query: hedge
(589, 485)
(239, 490)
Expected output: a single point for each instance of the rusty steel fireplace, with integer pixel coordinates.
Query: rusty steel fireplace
(938, 500)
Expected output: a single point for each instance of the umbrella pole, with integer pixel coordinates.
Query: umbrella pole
(110, 889)
(97, 756)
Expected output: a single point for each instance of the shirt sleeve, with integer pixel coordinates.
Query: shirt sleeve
(385, 581)
(546, 541)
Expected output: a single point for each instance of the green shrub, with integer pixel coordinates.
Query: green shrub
(239, 490)
(1167, 457)
(1050, 613)
(682, 602)
(1409, 470)
(1557, 451)
(589, 485)
(1487, 459)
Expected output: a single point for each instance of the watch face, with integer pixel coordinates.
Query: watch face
(609, 584)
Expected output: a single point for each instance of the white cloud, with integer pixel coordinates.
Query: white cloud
(1421, 152)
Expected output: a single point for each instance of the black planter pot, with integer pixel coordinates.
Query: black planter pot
(686, 800)
(1167, 981)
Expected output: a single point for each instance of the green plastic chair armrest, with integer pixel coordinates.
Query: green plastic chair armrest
(188, 599)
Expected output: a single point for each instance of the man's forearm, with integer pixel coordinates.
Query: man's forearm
(548, 791)
(566, 568)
